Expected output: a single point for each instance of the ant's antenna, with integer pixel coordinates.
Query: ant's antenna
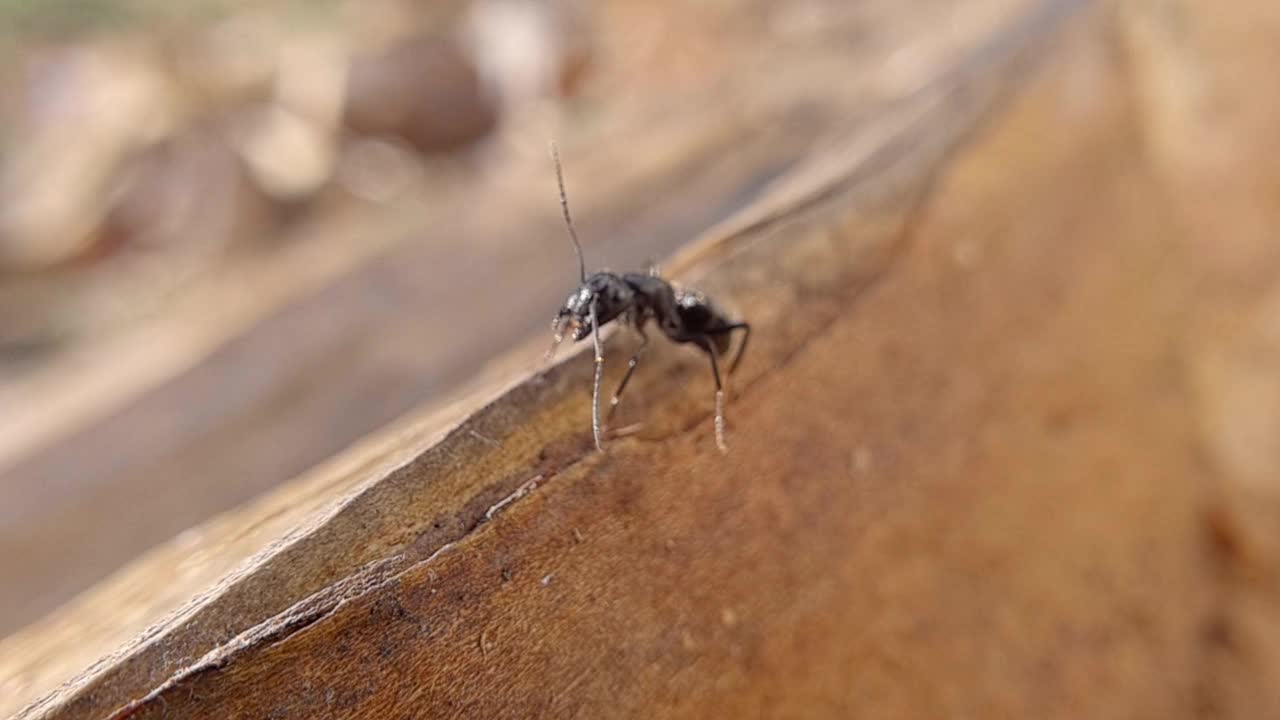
(564, 205)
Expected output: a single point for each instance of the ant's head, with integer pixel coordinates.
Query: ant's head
(608, 293)
(574, 317)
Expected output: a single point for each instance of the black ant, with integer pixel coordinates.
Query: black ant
(684, 316)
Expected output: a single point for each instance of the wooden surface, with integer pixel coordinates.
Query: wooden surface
(1002, 449)
(363, 314)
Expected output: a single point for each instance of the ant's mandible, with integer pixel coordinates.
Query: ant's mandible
(684, 316)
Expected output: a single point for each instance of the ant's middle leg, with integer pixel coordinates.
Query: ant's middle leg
(631, 367)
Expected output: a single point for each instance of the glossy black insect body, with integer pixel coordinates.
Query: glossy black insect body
(684, 316)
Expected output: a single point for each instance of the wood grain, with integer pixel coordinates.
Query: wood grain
(970, 475)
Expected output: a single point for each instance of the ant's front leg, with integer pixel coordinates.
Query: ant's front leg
(596, 428)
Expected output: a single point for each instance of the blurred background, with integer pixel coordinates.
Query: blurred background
(237, 237)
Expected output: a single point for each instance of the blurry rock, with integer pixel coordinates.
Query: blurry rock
(290, 143)
(81, 113)
(175, 209)
(426, 91)
(526, 50)
(516, 45)
(289, 156)
(181, 198)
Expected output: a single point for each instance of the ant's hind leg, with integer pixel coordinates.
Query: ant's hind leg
(631, 367)
(742, 347)
(707, 345)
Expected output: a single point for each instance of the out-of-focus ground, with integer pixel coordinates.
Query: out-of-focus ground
(235, 238)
